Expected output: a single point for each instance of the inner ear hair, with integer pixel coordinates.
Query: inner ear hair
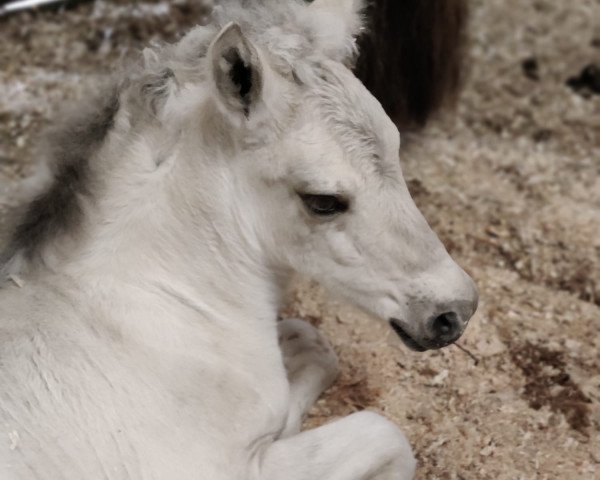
(241, 77)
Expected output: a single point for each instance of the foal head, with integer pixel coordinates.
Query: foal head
(251, 145)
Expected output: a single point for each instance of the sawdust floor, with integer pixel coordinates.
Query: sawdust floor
(511, 183)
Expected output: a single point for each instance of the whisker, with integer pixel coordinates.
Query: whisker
(473, 357)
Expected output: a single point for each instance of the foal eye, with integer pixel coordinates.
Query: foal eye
(324, 205)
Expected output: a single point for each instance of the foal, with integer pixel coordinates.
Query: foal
(138, 332)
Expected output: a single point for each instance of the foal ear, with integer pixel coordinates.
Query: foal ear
(338, 24)
(237, 70)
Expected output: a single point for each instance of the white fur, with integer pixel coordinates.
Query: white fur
(144, 343)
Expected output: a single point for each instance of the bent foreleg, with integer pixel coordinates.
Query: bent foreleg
(363, 446)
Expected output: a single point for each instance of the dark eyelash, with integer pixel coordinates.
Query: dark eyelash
(324, 205)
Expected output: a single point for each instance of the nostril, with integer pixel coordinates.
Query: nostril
(445, 325)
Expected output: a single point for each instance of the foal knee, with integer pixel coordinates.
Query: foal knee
(387, 438)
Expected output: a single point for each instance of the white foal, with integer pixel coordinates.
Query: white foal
(138, 332)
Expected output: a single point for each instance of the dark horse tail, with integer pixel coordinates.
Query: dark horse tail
(411, 57)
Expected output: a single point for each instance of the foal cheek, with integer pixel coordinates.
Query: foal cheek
(343, 250)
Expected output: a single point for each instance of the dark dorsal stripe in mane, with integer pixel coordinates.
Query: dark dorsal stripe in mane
(58, 209)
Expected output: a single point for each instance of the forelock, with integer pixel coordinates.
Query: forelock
(344, 107)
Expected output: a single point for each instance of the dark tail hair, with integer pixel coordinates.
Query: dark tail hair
(411, 57)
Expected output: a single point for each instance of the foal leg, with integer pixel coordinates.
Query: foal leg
(363, 446)
(311, 365)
